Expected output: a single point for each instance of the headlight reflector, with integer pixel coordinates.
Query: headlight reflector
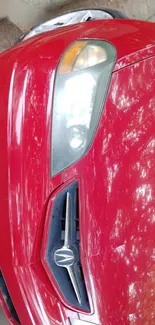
(89, 56)
(82, 81)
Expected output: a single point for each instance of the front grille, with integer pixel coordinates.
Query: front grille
(7, 298)
(63, 251)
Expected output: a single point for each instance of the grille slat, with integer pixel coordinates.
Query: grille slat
(63, 252)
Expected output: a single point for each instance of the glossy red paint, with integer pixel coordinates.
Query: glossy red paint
(116, 179)
(120, 242)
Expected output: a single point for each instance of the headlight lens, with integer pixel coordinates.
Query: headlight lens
(81, 85)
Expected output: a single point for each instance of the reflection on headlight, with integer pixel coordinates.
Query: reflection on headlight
(77, 99)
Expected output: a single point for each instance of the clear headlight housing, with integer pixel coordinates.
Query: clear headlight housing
(81, 85)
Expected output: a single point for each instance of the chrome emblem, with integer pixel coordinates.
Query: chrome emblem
(64, 257)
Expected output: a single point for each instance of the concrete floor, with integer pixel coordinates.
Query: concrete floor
(27, 13)
(3, 320)
(9, 34)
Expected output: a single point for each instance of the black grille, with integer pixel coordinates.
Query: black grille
(63, 251)
(7, 298)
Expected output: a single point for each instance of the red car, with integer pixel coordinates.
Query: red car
(77, 175)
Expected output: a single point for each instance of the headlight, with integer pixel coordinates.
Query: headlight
(81, 85)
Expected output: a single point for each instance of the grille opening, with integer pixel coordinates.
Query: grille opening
(76, 218)
(7, 299)
(80, 272)
(63, 251)
(63, 221)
